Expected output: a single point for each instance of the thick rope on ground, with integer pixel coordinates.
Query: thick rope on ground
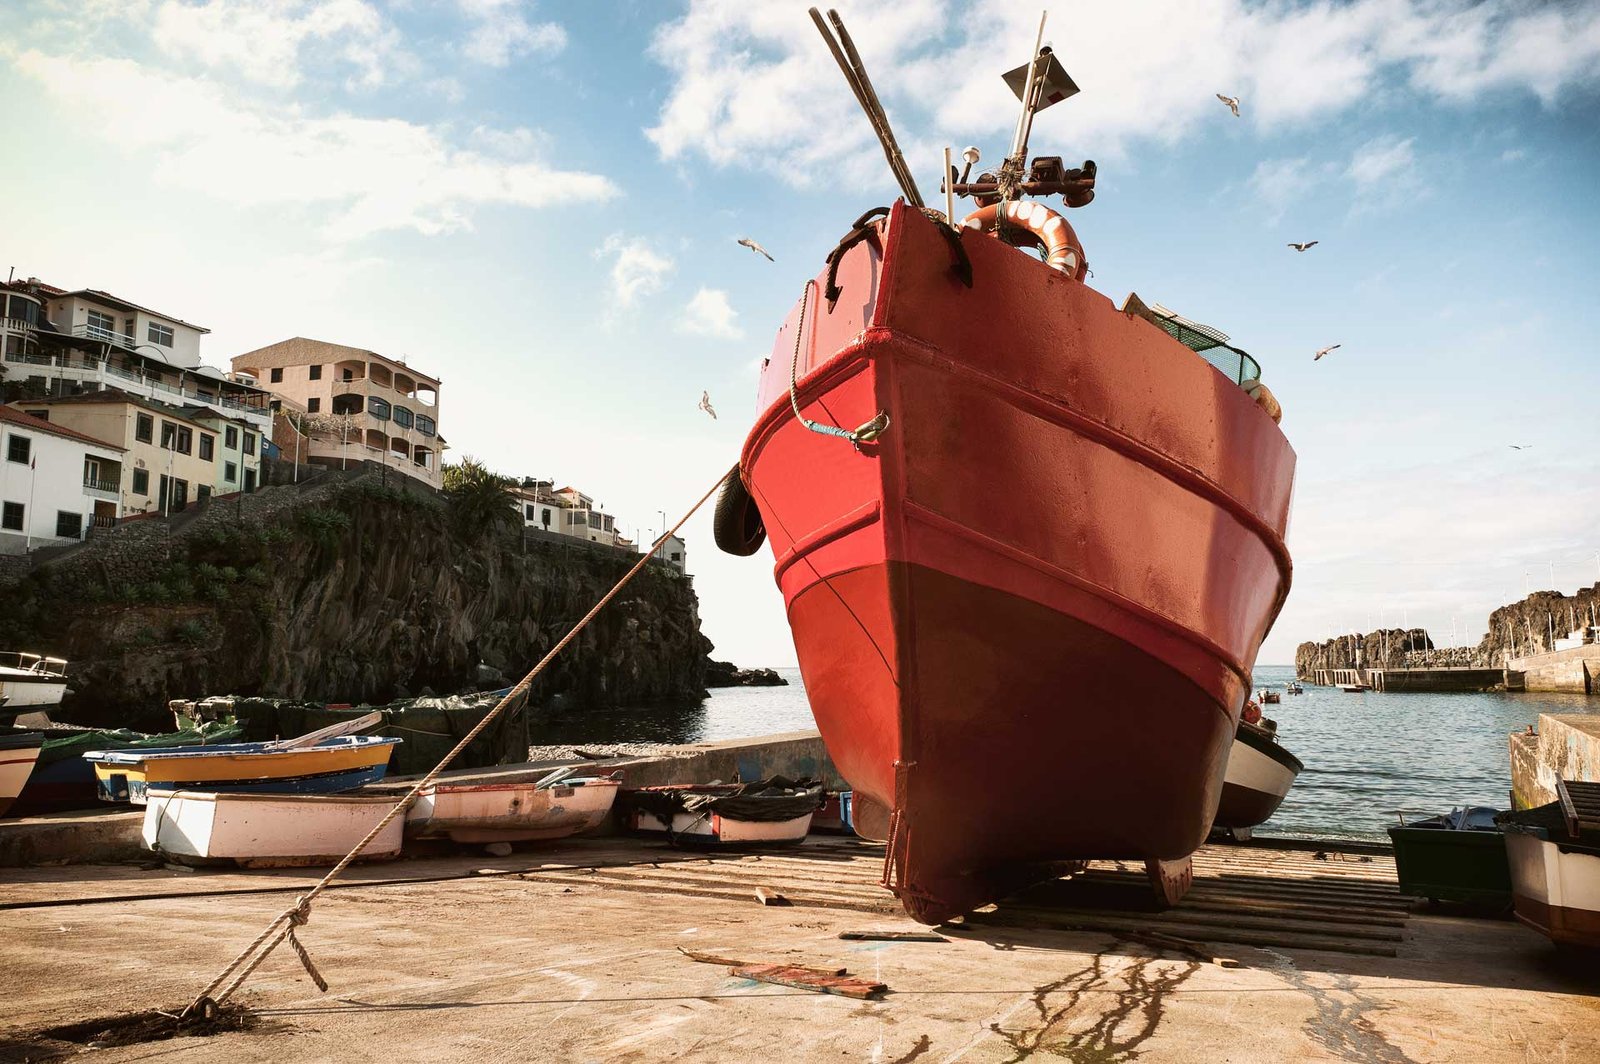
(283, 925)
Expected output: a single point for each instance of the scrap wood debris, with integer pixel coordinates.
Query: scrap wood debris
(729, 962)
(892, 936)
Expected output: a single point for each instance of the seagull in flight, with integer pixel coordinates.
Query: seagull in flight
(1521, 446)
(1325, 350)
(705, 404)
(1232, 102)
(1307, 246)
(745, 241)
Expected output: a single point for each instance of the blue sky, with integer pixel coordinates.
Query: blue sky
(539, 203)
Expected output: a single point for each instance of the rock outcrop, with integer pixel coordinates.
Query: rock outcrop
(1385, 648)
(362, 594)
(726, 674)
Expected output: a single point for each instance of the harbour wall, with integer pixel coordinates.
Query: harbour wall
(1457, 679)
(1575, 671)
(1566, 746)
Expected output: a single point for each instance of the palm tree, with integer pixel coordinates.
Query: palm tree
(480, 500)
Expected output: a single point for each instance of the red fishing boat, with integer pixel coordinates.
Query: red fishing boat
(1029, 543)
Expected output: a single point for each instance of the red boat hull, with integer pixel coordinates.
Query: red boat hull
(1026, 614)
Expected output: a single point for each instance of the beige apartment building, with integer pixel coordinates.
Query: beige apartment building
(358, 405)
(170, 460)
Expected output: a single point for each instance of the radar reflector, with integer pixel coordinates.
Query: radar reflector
(1055, 83)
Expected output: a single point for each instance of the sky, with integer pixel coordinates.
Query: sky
(539, 203)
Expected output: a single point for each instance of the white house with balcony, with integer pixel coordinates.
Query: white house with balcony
(672, 551)
(56, 342)
(55, 483)
(355, 405)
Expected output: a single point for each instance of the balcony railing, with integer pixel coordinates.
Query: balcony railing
(93, 484)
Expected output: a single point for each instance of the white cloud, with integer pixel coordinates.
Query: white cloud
(710, 314)
(501, 31)
(262, 40)
(361, 175)
(637, 270)
(1512, 155)
(1383, 160)
(1277, 183)
(1149, 71)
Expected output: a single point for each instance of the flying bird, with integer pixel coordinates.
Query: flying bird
(1232, 102)
(705, 404)
(1521, 446)
(1325, 350)
(745, 241)
(1308, 245)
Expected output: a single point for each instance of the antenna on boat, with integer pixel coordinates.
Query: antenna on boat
(1029, 95)
(844, 53)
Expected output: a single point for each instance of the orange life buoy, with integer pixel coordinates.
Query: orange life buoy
(1047, 228)
(1252, 712)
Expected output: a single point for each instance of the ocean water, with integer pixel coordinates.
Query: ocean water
(1366, 754)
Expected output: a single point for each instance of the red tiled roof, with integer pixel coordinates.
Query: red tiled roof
(23, 419)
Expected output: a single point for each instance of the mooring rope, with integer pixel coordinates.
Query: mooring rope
(864, 433)
(283, 925)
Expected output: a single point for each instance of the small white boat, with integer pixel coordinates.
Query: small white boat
(1260, 773)
(766, 813)
(267, 830)
(1352, 688)
(18, 753)
(1554, 852)
(512, 812)
(29, 681)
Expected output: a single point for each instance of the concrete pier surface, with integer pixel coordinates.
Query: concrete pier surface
(1565, 747)
(570, 952)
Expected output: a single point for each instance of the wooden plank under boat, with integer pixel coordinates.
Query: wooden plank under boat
(19, 752)
(1059, 556)
(267, 830)
(1260, 773)
(341, 763)
(512, 812)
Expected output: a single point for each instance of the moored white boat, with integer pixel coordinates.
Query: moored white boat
(766, 813)
(512, 812)
(28, 681)
(267, 830)
(18, 753)
(1260, 773)
(1554, 851)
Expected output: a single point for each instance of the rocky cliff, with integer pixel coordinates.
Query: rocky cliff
(1384, 648)
(348, 592)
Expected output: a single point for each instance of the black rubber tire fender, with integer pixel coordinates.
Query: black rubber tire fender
(736, 525)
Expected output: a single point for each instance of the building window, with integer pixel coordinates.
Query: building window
(230, 472)
(277, 376)
(677, 556)
(313, 406)
(20, 449)
(11, 516)
(141, 482)
(378, 408)
(249, 443)
(527, 512)
(159, 334)
(169, 435)
(402, 417)
(185, 439)
(425, 425)
(102, 326)
(316, 373)
(230, 438)
(208, 443)
(69, 526)
(203, 492)
(144, 428)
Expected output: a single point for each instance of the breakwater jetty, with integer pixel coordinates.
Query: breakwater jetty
(1544, 642)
